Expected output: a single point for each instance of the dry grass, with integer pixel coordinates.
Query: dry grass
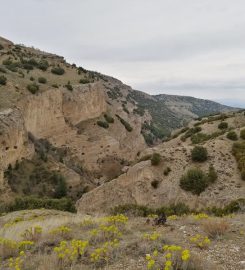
(215, 227)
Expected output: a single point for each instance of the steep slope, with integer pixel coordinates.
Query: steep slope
(79, 124)
(155, 186)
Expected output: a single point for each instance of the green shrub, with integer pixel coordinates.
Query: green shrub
(61, 188)
(27, 66)
(155, 184)
(199, 154)
(223, 125)
(43, 65)
(30, 202)
(212, 174)
(42, 80)
(84, 81)
(32, 79)
(33, 88)
(7, 62)
(231, 135)
(238, 151)
(195, 181)
(68, 86)
(55, 85)
(1, 47)
(155, 159)
(3, 80)
(242, 134)
(102, 124)
(125, 123)
(202, 137)
(167, 171)
(58, 71)
(108, 118)
(2, 70)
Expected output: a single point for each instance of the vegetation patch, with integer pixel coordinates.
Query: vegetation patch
(103, 124)
(109, 119)
(223, 125)
(232, 135)
(42, 80)
(202, 137)
(199, 154)
(33, 88)
(238, 151)
(57, 70)
(155, 159)
(3, 80)
(125, 123)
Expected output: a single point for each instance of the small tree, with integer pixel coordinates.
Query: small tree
(155, 159)
(195, 181)
(199, 154)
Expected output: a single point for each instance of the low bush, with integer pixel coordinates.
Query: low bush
(108, 118)
(231, 135)
(33, 88)
(167, 171)
(58, 71)
(155, 184)
(199, 154)
(68, 86)
(155, 159)
(215, 228)
(55, 85)
(42, 80)
(238, 151)
(30, 202)
(3, 80)
(102, 124)
(195, 181)
(125, 123)
(43, 65)
(202, 137)
(212, 174)
(2, 70)
(242, 134)
(1, 47)
(84, 81)
(223, 125)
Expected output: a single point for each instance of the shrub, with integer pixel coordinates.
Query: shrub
(42, 80)
(199, 154)
(1, 47)
(215, 227)
(212, 174)
(3, 70)
(69, 86)
(238, 151)
(231, 135)
(33, 88)
(155, 184)
(125, 123)
(84, 81)
(223, 125)
(61, 188)
(242, 134)
(167, 171)
(32, 79)
(195, 181)
(3, 80)
(55, 85)
(155, 159)
(43, 65)
(31, 202)
(102, 124)
(108, 118)
(58, 71)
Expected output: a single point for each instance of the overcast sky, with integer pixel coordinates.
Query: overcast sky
(187, 47)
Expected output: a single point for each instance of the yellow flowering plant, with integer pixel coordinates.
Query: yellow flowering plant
(200, 241)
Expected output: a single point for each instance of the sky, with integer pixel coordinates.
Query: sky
(184, 47)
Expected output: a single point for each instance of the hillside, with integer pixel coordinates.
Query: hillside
(66, 128)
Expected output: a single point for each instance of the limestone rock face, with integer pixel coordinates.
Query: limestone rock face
(14, 143)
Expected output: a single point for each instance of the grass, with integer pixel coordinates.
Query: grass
(215, 228)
